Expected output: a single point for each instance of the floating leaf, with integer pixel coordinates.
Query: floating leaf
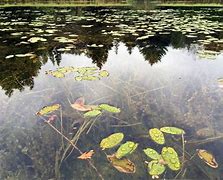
(86, 70)
(48, 109)
(126, 149)
(157, 136)
(151, 153)
(109, 108)
(172, 130)
(207, 157)
(111, 141)
(122, 165)
(80, 106)
(86, 78)
(155, 168)
(170, 156)
(86, 155)
(36, 39)
(56, 74)
(220, 82)
(103, 73)
(92, 113)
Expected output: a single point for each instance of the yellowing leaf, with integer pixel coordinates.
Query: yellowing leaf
(151, 153)
(86, 155)
(80, 106)
(122, 165)
(170, 156)
(109, 108)
(157, 136)
(172, 130)
(48, 109)
(92, 113)
(126, 149)
(207, 157)
(111, 141)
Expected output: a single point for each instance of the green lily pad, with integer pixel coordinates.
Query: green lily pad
(109, 108)
(126, 149)
(155, 168)
(92, 113)
(103, 73)
(86, 70)
(36, 39)
(151, 153)
(111, 141)
(86, 78)
(57, 74)
(157, 136)
(170, 156)
(172, 130)
(48, 109)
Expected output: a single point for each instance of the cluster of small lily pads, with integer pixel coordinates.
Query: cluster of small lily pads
(159, 161)
(141, 25)
(84, 73)
(156, 167)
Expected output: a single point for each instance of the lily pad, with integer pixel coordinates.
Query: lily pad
(92, 113)
(48, 109)
(151, 153)
(155, 168)
(122, 165)
(86, 78)
(172, 130)
(220, 82)
(157, 136)
(36, 39)
(207, 157)
(109, 108)
(170, 156)
(103, 73)
(111, 141)
(56, 74)
(126, 149)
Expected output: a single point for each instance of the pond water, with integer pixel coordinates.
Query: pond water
(165, 69)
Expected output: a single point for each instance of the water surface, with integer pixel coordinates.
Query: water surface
(163, 66)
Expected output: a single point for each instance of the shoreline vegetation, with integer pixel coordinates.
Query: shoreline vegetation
(160, 5)
(66, 5)
(190, 5)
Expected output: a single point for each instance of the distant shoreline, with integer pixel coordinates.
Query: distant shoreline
(63, 5)
(189, 5)
(168, 5)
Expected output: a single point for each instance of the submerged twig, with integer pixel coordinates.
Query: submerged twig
(74, 146)
(206, 140)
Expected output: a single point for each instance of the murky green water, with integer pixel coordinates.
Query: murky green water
(164, 68)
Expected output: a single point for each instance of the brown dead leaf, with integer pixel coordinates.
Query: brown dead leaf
(86, 155)
(80, 106)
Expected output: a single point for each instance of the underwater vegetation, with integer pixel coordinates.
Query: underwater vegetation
(96, 122)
